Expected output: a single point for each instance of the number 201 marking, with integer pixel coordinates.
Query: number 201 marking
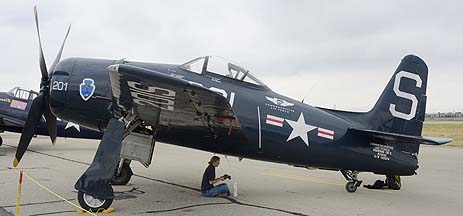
(59, 86)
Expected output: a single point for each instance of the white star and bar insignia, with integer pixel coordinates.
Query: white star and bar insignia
(300, 129)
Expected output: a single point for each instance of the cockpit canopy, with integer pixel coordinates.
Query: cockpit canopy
(221, 66)
(24, 94)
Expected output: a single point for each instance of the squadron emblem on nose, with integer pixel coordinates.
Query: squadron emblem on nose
(87, 88)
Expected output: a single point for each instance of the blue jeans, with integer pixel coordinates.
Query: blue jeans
(219, 189)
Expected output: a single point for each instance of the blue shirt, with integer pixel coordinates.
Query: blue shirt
(209, 175)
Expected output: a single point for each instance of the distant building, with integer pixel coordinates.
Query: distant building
(446, 115)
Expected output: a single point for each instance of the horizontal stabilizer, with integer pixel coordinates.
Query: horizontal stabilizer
(402, 138)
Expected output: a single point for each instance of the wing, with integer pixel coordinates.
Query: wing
(159, 99)
(10, 122)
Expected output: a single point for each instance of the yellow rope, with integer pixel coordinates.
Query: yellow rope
(37, 183)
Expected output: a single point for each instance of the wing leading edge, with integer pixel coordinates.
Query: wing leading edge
(8, 121)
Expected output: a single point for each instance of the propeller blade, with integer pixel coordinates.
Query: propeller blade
(33, 118)
(51, 120)
(58, 56)
(43, 65)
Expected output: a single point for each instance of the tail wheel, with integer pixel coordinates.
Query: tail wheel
(93, 204)
(353, 182)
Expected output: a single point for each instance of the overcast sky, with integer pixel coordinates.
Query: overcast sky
(333, 52)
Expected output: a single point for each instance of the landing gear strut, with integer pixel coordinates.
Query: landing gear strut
(95, 190)
(123, 173)
(353, 183)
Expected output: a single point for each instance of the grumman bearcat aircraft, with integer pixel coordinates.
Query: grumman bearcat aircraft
(220, 107)
(14, 108)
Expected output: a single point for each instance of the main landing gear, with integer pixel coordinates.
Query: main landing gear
(353, 183)
(92, 203)
(120, 144)
(95, 191)
(123, 173)
(122, 176)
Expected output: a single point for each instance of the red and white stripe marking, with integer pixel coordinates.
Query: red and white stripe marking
(329, 134)
(273, 120)
(18, 104)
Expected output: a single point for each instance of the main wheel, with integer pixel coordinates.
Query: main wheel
(124, 177)
(351, 186)
(1, 141)
(92, 203)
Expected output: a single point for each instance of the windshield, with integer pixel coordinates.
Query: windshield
(22, 93)
(221, 66)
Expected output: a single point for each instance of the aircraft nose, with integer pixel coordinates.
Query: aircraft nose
(64, 67)
(60, 84)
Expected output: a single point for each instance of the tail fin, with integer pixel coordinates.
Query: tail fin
(402, 105)
(401, 108)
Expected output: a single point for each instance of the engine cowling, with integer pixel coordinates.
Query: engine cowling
(80, 92)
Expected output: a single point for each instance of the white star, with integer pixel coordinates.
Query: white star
(300, 129)
(70, 124)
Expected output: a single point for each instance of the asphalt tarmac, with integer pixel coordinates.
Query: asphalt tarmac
(170, 186)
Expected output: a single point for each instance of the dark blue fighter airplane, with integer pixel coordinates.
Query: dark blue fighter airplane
(220, 107)
(14, 107)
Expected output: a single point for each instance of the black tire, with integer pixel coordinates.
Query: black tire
(86, 202)
(351, 187)
(1, 141)
(124, 177)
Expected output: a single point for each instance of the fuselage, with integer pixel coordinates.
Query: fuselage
(273, 127)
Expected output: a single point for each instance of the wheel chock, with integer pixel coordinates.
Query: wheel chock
(104, 211)
(107, 211)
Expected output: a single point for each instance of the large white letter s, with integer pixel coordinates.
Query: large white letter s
(398, 78)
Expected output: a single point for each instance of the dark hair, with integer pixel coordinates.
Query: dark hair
(213, 160)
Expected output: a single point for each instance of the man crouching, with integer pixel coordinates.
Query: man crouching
(207, 184)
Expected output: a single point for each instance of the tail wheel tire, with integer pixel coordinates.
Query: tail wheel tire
(124, 177)
(351, 187)
(93, 204)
